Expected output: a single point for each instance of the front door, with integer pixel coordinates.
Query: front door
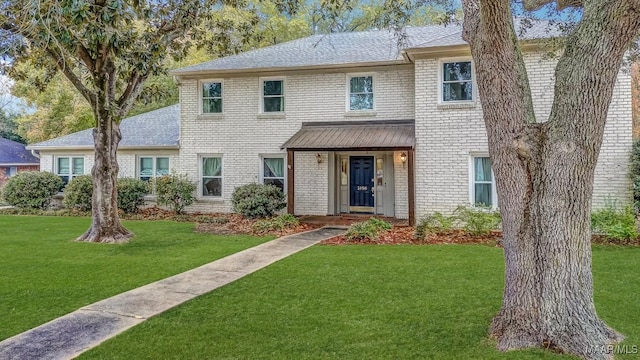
(361, 184)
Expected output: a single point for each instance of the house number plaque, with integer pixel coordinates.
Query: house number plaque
(363, 188)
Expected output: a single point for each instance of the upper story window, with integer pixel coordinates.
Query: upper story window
(211, 181)
(272, 95)
(211, 97)
(483, 189)
(360, 92)
(68, 167)
(457, 81)
(151, 167)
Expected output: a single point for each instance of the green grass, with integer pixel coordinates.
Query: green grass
(46, 275)
(365, 302)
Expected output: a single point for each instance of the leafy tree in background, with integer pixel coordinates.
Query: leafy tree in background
(8, 127)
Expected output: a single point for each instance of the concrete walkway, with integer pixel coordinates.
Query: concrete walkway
(85, 328)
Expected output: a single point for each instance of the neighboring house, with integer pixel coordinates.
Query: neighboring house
(14, 158)
(347, 123)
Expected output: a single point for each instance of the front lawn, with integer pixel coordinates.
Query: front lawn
(366, 302)
(44, 274)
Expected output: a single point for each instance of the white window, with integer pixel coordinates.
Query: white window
(211, 97)
(457, 81)
(211, 182)
(272, 95)
(152, 166)
(273, 171)
(13, 170)
(482, 185)
(68, 167)
(360, 92)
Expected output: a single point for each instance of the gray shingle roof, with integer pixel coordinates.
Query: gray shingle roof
(379, 46)
(14, 153)
(158, 128)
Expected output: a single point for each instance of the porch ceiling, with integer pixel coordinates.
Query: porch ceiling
(392, 134)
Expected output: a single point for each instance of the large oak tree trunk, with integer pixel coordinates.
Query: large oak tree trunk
(544, 172)
(105, 221)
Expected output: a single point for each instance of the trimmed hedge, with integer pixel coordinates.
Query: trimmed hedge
(31, 189)
(257, 200)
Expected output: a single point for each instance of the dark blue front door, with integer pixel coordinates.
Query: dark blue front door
(361, 183)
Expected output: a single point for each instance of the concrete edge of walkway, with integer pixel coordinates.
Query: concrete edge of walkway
(70, 335)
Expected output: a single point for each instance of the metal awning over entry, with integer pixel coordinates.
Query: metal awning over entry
(354, 136)
(364, 135)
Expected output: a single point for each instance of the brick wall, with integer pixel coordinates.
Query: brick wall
(446, 138)
(241, 135)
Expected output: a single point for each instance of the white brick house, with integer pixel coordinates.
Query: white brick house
(344, 123)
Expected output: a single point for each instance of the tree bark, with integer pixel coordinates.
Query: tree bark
(105, 221)
(544, 172)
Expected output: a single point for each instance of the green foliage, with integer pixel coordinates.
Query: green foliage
(78, 193)
(617, 224)
(478, 220)
(8, 127)
(435, 223)
(257, 200)
(634, 173)
(281, 222)
(31, 189)
(174, 191)
(131, 194)
(367, 230)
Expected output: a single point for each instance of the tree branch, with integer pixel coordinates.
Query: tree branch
(62, 65)
(532, 5)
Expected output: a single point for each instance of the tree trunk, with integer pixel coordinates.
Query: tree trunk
(105, 221)
(544, 173)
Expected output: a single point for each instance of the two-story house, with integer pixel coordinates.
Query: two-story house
(362, 122)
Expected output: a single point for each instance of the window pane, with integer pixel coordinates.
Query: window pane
(457, 71)
(483, 195)
(457, 91)
(482, 169)
(78, 166)
(273, 167)
(274, 104)
(63, 166)
(146, 166)
(273, 87)
(162, 166)
(212, 187)
(211, 166)
(363, 84)
(211, 105)
(277, 182)
(212, 89)
(361, 102)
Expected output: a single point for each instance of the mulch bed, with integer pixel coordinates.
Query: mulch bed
(225, 224)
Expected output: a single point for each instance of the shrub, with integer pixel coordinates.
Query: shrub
(78, 193)
(257, 200)
(31, 189)
(284, 221)
(174, 191)
(618, 224)
(435, 223)
(634, 173)
(478, 220)
(368, 230)
(131, 194)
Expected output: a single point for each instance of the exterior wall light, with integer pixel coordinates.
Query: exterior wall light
(403, 158)
(319, 158)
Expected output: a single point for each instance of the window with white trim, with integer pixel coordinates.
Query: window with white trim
(273, 172)
(150, 167)
(483, 189)
(272, 95)
(211, 97)
(69, 167)
(211, 182)
(457, 81)
(360, 92)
